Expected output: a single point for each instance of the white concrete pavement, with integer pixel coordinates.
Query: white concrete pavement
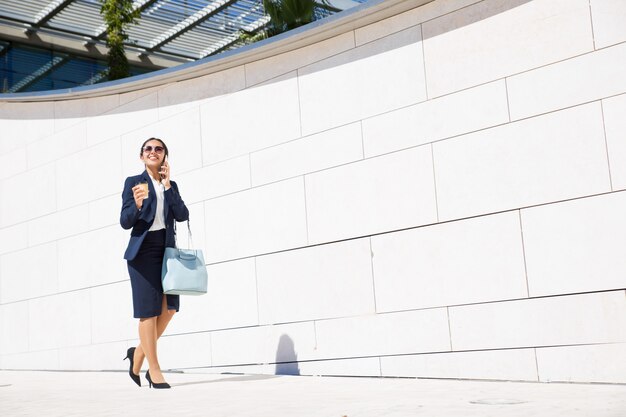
(99, 394)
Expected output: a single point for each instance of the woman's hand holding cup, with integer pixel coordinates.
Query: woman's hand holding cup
(140, 193)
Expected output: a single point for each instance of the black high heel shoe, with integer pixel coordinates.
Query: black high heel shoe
(159, 385)
(130, 354)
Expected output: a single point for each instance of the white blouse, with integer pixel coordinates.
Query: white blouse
(159, 218)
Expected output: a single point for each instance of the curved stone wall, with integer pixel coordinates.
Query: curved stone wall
(418, 189)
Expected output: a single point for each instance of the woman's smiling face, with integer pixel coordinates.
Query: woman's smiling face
(153, 153)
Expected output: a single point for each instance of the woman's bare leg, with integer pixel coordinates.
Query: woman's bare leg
(148, 338)
(161, 324)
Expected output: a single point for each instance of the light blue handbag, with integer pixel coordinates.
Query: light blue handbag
(183, 271)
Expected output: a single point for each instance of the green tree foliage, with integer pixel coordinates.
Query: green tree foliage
(285, 15)
(117, 15)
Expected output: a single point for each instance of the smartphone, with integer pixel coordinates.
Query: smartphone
(161, 169)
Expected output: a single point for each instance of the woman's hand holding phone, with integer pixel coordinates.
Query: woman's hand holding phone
(165, 174)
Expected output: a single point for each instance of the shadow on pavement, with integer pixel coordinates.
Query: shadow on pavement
(229, 379)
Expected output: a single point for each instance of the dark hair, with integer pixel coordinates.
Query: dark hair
(148, 140)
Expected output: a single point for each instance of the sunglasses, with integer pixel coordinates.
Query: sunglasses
(157, 149)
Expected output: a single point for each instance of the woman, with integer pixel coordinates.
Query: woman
(150, 211)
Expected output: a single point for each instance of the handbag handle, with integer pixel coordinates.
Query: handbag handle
(189, 237)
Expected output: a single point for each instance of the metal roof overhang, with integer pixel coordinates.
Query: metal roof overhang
(356, 17)
(204, 25)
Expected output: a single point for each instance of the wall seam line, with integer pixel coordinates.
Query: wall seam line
(545, 65)
(467, 6)
(456, 219)
(606, 145)
(432, 159)
(536, 365)
(508, 103)
(390, 312)
(373, 277)
(424, 60)
(521, 229)
(593, 34)
(570, 106)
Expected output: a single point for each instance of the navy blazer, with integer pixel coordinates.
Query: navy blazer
(141, 220)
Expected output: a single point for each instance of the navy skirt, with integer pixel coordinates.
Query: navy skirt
(145, 278)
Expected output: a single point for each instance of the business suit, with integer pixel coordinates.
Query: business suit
(144, 253)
